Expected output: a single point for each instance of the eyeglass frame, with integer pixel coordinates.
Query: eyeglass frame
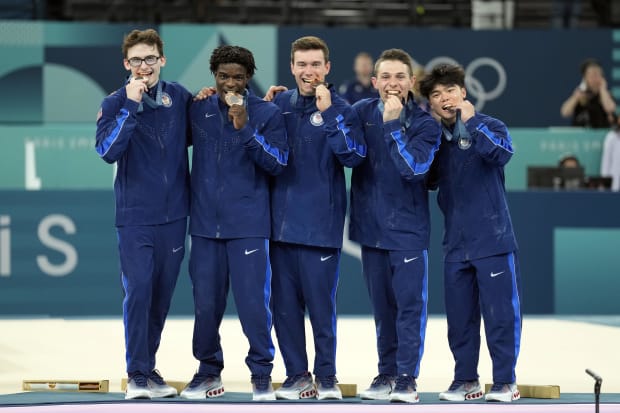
(149, 57)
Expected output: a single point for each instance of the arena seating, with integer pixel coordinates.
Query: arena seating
(341, 13)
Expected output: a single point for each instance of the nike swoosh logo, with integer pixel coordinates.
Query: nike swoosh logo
(370, 124)
(250, 252)
(326, 258)
(286, 113)
(406, 260)
(208, 115)
(175, 250)
(495, 274)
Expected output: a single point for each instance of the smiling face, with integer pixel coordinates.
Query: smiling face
(444, 98)
(150, 72)
(231, 77)
(309, 66)
(393, 79)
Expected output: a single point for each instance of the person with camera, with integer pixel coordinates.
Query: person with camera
(591, 104)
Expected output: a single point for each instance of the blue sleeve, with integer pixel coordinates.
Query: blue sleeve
(115, 127)
(265, 140)
(492, 139)
(413, 149)
(344, 134)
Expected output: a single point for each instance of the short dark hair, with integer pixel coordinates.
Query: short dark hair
(232, 54)
(395, 54)
(442, 74)
(309, 43)
(568, 158)
(148, 36)
(588, 63)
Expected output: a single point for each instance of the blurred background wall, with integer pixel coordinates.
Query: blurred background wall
(58, 251)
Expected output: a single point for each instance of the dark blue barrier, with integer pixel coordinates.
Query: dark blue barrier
(58, 256)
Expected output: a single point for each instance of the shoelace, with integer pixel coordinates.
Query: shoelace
(290, 381)
(328, 381)
(382, 379)
(157, 378)
(403, 382)
(139, 379)
(199, 378)
(497, 387)
(456, 384)
(261, 382)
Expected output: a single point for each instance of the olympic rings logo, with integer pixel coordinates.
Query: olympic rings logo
(473, 85)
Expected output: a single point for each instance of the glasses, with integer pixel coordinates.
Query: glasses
(149, 60)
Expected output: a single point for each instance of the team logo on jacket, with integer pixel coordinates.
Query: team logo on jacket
(316, 119)
(166, 100)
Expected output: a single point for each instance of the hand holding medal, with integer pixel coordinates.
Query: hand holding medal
(236, 112)
(231, 98)
(322, 94)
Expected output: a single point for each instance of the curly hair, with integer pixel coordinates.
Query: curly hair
(148, 36)
(232, 54)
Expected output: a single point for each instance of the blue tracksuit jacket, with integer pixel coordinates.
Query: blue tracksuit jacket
(230, 168)
(150, 148)
(309, 197)
(472, 193)
(387, 211)
(149, 144)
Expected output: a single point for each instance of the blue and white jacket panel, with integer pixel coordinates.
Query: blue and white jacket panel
(309, 198)
(150, 149)
(472, 193)
(389, 197)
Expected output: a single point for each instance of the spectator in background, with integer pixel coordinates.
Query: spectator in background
(610, 161)
(569, 161)
(573, 178)
(360, 87)
(419, 72)
(143, 127)
(591, 104)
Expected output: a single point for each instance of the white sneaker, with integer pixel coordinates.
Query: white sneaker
(503, 392)
(461, 390)
(405, 390)
(299, 386)
(262, 389)
(379, 389)
(137, 387)
(158, 387)
(203, 386)
(327, 388)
